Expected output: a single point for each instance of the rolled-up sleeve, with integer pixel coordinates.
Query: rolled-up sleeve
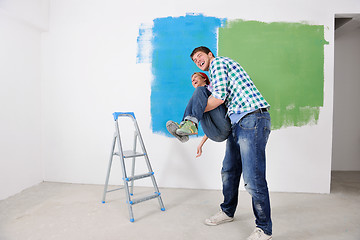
(219, 78)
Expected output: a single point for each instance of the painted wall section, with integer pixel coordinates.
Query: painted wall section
(286, 63)
(172, 41)
(285, 60)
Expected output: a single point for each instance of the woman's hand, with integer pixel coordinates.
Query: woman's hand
(199, 148)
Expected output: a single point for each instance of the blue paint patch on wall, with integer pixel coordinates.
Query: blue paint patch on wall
(172, 41)
(144, 44)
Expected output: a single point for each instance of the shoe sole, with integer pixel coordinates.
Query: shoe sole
(171, 126)
(185, 134)
(209, 223)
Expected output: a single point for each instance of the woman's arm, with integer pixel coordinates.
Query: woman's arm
(199, 148)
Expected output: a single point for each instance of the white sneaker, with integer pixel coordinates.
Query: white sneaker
(218, 218)
(258, 234)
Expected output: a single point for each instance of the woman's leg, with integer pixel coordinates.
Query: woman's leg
(216, 124)
(195, 109)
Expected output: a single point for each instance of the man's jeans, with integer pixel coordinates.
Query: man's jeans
(245, 154)
(215, 123)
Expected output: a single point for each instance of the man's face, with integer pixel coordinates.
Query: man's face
(202, 60)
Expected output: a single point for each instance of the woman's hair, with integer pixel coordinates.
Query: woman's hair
(203, 75)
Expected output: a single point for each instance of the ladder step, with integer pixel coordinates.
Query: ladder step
(130, 154)
(139, 200)
(139, 176)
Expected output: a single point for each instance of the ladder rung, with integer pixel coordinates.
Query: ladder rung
(139, 176)
(130, 154)
(139, 200)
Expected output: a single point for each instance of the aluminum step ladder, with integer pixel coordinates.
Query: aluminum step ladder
(130, 201)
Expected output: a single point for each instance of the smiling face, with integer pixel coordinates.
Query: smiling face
(197, 80)
(203, 60)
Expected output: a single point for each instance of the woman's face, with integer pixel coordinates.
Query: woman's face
(197, 81)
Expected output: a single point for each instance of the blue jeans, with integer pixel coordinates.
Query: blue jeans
(245, 154)
(215, 123)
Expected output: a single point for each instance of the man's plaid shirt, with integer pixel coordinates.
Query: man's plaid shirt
(230, 82)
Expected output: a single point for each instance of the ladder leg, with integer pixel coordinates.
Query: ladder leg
(133, 165)
(149, 166)
(123, 168)
(128, 201)
(156, 188)
(109, 168)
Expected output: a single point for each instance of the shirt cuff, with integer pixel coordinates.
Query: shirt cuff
(218, 95)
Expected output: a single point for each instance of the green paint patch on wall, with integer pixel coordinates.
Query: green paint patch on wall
(286, 63)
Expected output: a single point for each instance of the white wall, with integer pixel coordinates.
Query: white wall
(20, 103)
(346, 142)
(88, 70)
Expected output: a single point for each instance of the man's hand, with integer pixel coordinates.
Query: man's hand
(213, 103)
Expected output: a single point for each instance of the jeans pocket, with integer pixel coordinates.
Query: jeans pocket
(249, 122)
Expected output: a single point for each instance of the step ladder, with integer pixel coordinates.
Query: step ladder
(130, 201)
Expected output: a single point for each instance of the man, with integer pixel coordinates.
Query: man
(245, 146)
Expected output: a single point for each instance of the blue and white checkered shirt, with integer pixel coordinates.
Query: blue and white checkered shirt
(231, 83)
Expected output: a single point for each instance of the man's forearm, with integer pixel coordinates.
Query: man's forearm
(213, 103)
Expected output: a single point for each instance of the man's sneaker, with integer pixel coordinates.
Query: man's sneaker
(187, 128)
(172, 126)
(218, 218)
(258, 234)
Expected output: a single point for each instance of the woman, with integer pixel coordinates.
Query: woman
(215, 123)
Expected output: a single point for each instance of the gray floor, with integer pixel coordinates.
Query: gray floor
(73, 211)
